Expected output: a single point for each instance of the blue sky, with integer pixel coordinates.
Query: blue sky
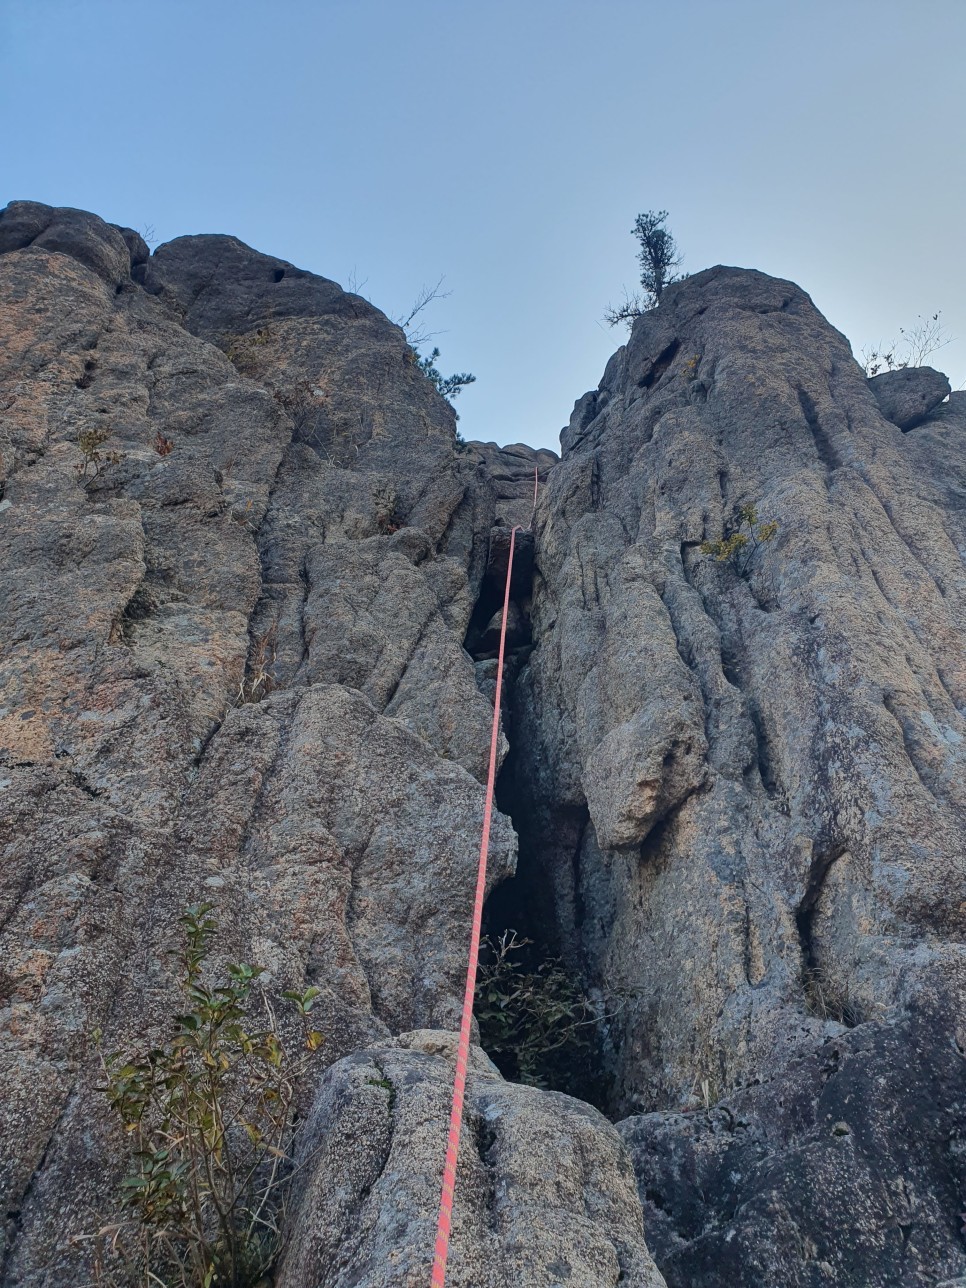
(508, 146)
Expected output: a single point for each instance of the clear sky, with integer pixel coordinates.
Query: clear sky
(508, 145)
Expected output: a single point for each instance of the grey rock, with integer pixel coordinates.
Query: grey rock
(517, 631)
(513, 471)
(232, 670)
(741, 798)
(906, 397)
(545, 1193)
(245, 658)
(136, 245)
(81, 236)
(849, 1170)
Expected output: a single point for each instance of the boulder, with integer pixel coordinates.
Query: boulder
(906, 397)
(544, 1192)
(849, 1170)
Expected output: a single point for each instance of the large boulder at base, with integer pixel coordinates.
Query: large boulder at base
(544, 1193)
(849, 1170)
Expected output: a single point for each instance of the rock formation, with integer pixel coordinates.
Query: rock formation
(747, 792)
(249, 596)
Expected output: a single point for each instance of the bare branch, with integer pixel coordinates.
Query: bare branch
(632, 308)
(425, 297)
(910, 350)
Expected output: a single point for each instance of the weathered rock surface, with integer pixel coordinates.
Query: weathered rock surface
(848, 1170)
(546, 1191)
(231, 669)
(747, 792)
(906, 397)
(248, 656)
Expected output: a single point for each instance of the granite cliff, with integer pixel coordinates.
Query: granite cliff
(247, 659)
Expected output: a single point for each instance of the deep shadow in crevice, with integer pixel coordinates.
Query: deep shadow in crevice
(827, 994)
(552, 1037)
(660, 365)
(537, 1022)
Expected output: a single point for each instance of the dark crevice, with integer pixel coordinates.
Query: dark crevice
(15, 1214)
(484, 1135)
(547, 877)
(482, 640)
(206, 742)
(826, 995)
(81, 782)
(305, 581)
(823, 444)
(767, 772)
(660, 365)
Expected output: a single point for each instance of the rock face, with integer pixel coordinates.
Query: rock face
(369, 1213)
(251, 588)
(746, 792)
(846, 1170)
(906, 397)
(232, 669)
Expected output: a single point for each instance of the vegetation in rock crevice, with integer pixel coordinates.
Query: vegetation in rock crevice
(744, 537)
(210, 1117)
(536, 1022)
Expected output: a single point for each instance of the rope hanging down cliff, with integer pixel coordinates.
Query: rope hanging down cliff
(444, 1221)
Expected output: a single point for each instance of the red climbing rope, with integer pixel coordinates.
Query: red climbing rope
(445, 1219)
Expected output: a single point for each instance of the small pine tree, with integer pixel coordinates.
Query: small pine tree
(448, 386)
(658, 257)
(746, 537)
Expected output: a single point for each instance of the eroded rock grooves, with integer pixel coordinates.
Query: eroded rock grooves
(255, 667)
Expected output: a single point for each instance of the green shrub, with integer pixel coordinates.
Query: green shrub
(537, 1025)
(742, 542)
(209, 1113)
(448, 386)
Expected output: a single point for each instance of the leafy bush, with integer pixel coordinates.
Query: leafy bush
(537, 1025)
(210, 1114)
(739, 546)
